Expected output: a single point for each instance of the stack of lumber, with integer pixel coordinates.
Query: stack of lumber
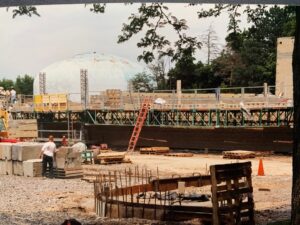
(68, 163)
(155, 150)
(263, 153)
(22, 129)
(111, 157)
(6, 167)
(68, 173)
(180, 154)
(238, 154)
(113, 98)
(32, 168)
(24, 151)
(95, 99)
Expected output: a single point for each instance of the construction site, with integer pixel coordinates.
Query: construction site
(205, 156)
(211, 156)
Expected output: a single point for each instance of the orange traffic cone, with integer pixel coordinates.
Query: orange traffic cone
(261, 171)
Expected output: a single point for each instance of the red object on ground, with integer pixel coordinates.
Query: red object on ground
(7, 140)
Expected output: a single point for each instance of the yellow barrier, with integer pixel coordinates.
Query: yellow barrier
(50, 102)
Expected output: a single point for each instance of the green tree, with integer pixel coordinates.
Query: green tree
(184, 70)
(153, 18)
(142, 82)
(7, 84)
(24, 85)
(250, 57)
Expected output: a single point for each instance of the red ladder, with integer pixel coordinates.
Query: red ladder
(139, 124)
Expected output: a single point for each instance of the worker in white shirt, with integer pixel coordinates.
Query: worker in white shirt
(13, 95)
(47, 154)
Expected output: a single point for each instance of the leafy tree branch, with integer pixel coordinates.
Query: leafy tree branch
(152, 18)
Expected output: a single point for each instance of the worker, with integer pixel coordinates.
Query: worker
(13, 95)
(47, 154)
(64, 141)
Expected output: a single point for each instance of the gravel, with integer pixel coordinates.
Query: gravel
(26, 200)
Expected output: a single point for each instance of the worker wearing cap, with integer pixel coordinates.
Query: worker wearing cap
(47, 154)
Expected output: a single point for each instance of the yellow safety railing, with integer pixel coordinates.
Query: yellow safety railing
(50, 102)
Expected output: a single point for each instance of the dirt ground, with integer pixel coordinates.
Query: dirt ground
(50, 201)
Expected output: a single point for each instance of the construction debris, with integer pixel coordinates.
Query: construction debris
(238, 154)
(155, 150)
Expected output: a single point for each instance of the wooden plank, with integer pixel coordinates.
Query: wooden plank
(241, 206)
(180, 154)
(215, 203)
(224, 187)
(233, 173)
(232, 166)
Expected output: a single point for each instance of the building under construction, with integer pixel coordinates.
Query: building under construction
(244, 118)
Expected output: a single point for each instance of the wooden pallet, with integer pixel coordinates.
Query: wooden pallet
(66, 173)
(180, 154)
(232, 194)
(238, 154)
(111, 157)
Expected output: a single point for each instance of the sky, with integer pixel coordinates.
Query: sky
(29, 44)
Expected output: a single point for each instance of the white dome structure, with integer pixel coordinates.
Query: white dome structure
(104, 72)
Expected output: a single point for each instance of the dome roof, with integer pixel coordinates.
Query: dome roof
(104, 72)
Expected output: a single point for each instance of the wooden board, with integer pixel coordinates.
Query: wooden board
(67, 174)
(179, 154)
(155, 150)
(22, 128)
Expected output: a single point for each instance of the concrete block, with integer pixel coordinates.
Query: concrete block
(26, 150)
(6, 167)
(17, 168)
(66, 157)
(5, 150)
(32, 168)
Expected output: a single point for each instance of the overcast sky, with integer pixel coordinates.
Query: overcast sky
(27, 45)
